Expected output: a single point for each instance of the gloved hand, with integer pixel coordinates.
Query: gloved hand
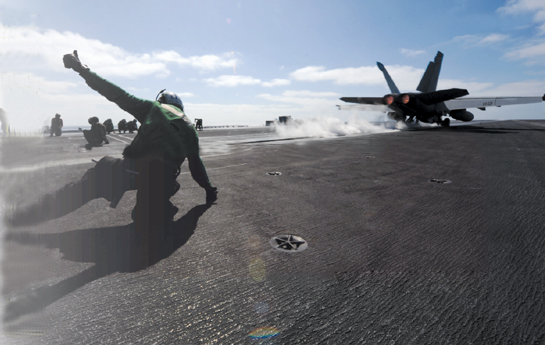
(72, 61)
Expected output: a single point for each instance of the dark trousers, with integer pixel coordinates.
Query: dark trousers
(153, 178)
(55, 130)
(92, 138)
(155, 184)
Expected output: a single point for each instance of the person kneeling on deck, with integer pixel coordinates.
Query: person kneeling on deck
(132, 126)
(150, 164)
(109, 126)
(97, 135)
(122, 126)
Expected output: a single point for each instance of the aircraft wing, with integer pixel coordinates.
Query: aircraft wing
(365, 107)
(364, 104)
(471, 102)
(363, 100)
(441, 95)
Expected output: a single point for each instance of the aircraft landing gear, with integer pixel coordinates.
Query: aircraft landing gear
(445, 123)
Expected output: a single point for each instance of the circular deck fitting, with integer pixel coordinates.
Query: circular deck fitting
(440, 181)
(288, 243)
(274, 173)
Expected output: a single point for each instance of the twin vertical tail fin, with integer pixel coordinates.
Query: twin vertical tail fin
(431, 76)
(391, 84)
(429, 80)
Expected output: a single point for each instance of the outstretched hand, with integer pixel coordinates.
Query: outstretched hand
(72, 61)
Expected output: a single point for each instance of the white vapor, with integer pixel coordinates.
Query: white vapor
(327, 127)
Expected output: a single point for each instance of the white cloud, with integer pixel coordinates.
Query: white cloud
(50, 46)
(26, 42)
(521, 6)
(529, 51)
(472, 87)
(343, 76)
(307, 93)
(517, 89)
(412, 53)
(493, 38)
(304, 98)
(29, 83)
(537, 7)
(533, 50)
(368, 75)
(479, 40)
(205, 62)
(276, 82)
(520, 89)
(237, 80)
(31, 101)
(466, 38)
(232, 80)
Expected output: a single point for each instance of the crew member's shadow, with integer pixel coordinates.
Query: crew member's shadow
(112, 249)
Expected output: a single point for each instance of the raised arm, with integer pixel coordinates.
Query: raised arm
(135, 106)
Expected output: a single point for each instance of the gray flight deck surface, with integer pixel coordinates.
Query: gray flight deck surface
(392, 257)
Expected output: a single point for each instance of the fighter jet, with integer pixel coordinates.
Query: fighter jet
(430, 105)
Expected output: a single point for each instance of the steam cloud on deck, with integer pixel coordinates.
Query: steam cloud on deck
(328, 127)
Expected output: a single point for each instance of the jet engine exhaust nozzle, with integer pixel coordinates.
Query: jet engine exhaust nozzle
(388, 99)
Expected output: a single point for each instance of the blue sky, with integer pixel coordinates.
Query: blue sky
(245, 62)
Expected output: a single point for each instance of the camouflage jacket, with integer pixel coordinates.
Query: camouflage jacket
(56, 123)
(99, 131)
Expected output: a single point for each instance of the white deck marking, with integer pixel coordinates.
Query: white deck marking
(223, 167)
(128, 141)
(34, 167)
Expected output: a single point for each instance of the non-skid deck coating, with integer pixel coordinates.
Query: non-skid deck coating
(392, 257)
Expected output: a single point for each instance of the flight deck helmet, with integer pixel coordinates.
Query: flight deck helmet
(170, 98)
